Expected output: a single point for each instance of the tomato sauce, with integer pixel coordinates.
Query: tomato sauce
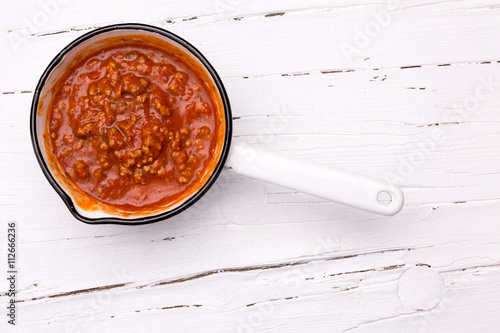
(133, 126)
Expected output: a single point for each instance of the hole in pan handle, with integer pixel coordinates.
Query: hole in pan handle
(345, 187)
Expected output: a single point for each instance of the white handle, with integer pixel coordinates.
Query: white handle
(323, 181)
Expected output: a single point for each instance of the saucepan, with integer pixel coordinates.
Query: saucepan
(328, 182)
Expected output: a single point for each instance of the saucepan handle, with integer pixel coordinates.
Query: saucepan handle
(323, 181)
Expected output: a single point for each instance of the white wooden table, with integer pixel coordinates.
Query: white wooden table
(407, 91)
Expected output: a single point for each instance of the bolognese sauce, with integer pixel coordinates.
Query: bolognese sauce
(133, 126)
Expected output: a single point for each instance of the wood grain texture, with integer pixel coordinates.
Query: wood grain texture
(416, 103)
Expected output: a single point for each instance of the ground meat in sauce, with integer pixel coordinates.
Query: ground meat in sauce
(133, 126)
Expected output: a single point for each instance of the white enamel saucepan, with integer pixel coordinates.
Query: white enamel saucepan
(323, 181)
